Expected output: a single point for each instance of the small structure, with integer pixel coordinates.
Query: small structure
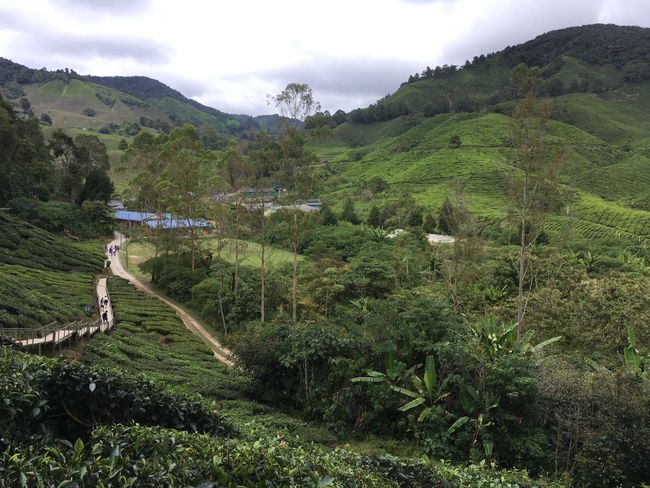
(314, 202)
(116, 205)
(396, 233)
(440, 239)
(302, 207)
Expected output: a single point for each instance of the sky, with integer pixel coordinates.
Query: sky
(231, 54)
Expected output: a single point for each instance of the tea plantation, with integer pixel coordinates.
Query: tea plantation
(150, 338)
(126, 430)
(24, 244)
(43, 278)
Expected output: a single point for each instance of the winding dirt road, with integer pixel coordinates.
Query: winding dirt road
(220, 352)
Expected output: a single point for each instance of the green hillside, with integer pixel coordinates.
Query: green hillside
(600, 121)
(110, 104)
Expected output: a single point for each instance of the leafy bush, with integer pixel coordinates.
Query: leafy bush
(27, 245)
(68, 399)
(150, 338)
(31, 297)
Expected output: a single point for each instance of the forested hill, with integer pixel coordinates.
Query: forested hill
(591, 58)
(449, 126)
(68, 100)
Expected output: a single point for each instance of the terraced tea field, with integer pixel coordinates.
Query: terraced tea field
(150, 338)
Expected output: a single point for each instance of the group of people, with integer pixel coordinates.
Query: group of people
(112, 250)
(103, 305)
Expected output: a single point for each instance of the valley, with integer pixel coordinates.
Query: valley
(281, 317)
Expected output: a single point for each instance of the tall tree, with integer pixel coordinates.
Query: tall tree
(349, 213)
(296, 101)
(188, 172)
(533, 183)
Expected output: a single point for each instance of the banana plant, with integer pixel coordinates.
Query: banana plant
(631, 356)
(497, 341)
(394, 371)
(426, 390)
(480, 422)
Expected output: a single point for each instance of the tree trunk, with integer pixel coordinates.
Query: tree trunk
(294, 285)
(262, 281)
(236, 278)
(522, 260)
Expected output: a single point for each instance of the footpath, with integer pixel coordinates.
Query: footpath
(221, 353)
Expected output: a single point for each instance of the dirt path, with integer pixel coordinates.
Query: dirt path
(220, 352)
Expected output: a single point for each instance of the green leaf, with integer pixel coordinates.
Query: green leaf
(327, 481)
(390, 363)
(430, 375)
(375, 374)
(545, 343)
(367, 379)
(417, 382)
(468, 398)
(488, 446)
(404, 391)
(456, 425)
(78, 447)
(412, 404)
(424, 414)
(631, 337)
(92, 387)
(632, 359)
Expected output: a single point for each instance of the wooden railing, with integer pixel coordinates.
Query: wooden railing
(50, 334)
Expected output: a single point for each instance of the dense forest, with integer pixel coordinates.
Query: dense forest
(414, 295)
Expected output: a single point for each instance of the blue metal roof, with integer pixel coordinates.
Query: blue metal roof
(133, 216)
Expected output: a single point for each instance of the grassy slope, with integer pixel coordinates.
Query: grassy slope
(249, 254)
(604, 140)
(43, 278)
(64, 102)
(150, 338)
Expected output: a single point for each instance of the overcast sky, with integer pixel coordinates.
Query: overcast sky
(230, 54)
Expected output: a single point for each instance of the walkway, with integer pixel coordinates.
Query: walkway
(56, 334)
(102, 294)
(220, 352)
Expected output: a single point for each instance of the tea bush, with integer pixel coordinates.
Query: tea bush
(33, 297)
(68, 399)
(150, 338)
(26, 245)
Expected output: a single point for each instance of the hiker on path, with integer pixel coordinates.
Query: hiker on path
(105, 317)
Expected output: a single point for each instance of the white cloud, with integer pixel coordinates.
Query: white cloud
(231, 54)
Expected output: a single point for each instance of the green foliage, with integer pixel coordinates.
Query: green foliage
(609, 448)
(46, 119)
(33, 297)
(98, 187)
(348, 213)
(327, 215)
(26, 245)
(88, 112)
(150, 338)
(25, 165)
(68, 399)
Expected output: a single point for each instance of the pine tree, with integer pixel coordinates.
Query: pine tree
(374, 218)
(349, 213)
(429, 224)
(327, 217)
(445, 220)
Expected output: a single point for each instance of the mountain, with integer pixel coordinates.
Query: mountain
(596, 82)
(110, 104)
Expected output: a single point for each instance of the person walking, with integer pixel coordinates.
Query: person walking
(105, 317)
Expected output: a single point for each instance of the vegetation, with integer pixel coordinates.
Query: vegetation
(515, 347)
